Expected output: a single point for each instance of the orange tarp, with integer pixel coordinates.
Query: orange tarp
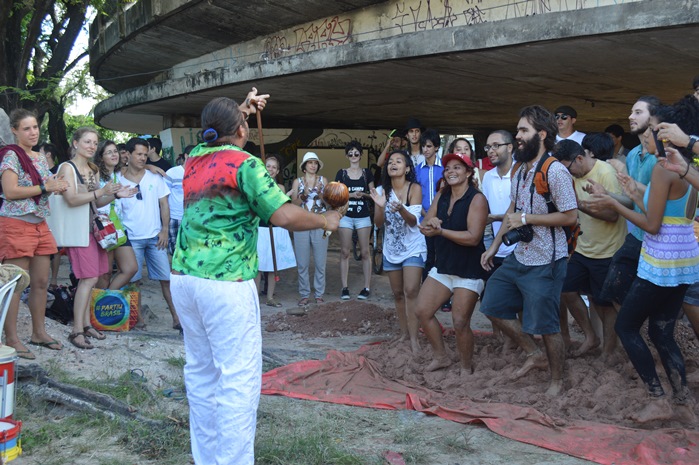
(349, 378)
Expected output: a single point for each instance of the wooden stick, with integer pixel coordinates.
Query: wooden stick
(271, 231)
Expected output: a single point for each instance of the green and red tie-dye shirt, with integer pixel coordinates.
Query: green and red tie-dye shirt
(226, 193)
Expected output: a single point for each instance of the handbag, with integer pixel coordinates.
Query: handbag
(70, 225)
(104, 231)
(118, 225)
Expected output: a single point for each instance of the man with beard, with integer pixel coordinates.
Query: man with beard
(531, 278)
(639, 164)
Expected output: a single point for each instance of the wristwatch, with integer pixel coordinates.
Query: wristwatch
(692, 140)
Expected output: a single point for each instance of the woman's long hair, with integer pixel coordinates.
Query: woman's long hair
(105, 175)
(409, 176)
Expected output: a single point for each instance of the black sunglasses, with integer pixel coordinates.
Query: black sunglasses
(563, 117)
(139, 196)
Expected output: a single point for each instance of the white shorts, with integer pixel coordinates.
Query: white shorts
(452, 282)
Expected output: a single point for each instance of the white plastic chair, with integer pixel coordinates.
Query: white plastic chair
(6, 292)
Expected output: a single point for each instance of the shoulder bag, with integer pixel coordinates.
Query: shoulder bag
(70, 225)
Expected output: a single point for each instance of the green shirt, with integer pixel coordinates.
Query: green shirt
(226, 192)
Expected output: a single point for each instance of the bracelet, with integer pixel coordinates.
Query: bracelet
(95, 194)
(43, 189)
(524, 219)
(685, 173)
(325, 227)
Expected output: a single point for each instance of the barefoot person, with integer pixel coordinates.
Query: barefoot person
(532, 277)
(456, 220)
(668, 264)
(227, 191)
(398, 206)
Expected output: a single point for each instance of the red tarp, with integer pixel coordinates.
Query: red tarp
(349, 378)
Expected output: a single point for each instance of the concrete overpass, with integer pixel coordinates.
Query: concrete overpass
(459, 65)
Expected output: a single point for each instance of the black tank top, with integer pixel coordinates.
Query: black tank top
(450, 257)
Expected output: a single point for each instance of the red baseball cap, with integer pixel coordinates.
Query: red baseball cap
(465, 159)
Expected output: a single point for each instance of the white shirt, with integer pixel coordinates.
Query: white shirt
(497, 190)
(173, 179)
(141, 218)
(577, 136)
(401, 241)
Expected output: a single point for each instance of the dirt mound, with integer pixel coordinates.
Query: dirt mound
(336, 319)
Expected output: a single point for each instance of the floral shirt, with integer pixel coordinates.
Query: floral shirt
(21, 207)
(540, 250)
(226, 193)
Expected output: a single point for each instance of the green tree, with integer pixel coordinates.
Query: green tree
(38, 37)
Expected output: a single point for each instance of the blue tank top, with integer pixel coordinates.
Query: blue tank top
(671, 257)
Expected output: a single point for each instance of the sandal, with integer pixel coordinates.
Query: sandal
(273, 303)
(80, 345)
(319, 300)
(96, 334)
(303, 302)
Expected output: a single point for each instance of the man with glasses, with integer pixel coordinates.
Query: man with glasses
(146, 217)
(566, 116)
(496, 187)
(604, 232)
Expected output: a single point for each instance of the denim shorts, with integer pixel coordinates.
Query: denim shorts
(535, 290)
(355, 223)
(156, 259)
(416, 261)
(452, 282)
(692, 295)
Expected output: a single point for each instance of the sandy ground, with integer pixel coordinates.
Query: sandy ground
(592, 389)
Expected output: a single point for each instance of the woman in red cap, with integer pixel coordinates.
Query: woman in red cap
(457, 220)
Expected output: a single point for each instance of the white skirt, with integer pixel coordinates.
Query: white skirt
(282, 246)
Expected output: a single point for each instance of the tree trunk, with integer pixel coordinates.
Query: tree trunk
(57, 128)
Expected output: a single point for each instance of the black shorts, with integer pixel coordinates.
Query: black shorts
(622, 271)
(587, 276)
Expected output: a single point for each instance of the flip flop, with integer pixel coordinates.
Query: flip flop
(174, 394)
(53, 345)
(26, 354)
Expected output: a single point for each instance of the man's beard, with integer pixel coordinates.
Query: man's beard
(529, 151)
(639, 129)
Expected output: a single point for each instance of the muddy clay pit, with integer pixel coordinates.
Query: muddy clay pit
(593, 389)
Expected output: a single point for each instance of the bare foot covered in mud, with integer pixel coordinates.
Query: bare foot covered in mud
(586, 346)
(537, 360)
(657, 409)
(438, 364)
(556, 388)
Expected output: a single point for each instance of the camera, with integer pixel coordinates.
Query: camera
(522, 234)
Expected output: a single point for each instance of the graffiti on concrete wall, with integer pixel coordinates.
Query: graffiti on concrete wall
(326, 33)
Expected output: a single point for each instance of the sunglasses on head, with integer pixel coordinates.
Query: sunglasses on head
(563, 117)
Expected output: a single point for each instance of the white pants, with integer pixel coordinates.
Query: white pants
(223, 370)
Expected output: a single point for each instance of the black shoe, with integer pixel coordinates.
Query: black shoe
(364, 294)
(345, 294)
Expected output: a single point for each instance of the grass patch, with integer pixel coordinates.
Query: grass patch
(55, 431)
(286, 439)
(177, 362)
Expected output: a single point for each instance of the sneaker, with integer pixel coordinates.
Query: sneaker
(345, 294)
(364, 294)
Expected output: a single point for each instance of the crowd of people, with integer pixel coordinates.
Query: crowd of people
(502, 229)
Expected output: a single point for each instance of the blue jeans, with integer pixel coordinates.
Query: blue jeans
(156, 259)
